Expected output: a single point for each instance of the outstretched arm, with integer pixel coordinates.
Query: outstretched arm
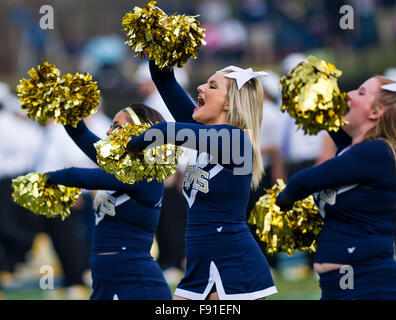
(176, 99)
(97, 179)
(364, 163)
(84, 139)
(228, 145)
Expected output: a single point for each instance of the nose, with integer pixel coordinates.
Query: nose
(351, 93)
(201, 88)
(109, 131)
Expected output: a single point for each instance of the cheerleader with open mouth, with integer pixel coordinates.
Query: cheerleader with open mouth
(356, 196)
(223, 259)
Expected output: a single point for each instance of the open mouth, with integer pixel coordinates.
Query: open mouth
(201, 102)
(349, 104)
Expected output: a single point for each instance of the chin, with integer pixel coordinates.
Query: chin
(196, 116)
(197, 119)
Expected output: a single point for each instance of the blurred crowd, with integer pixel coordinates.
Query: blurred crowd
(252, 33)
(258, 31)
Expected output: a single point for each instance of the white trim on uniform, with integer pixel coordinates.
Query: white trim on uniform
(214, 278)
(215, 170)
(121, 199)
(190, 199)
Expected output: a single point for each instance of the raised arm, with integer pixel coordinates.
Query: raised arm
(97, 179)
(364, 163)
(176, 99)
(84, 139)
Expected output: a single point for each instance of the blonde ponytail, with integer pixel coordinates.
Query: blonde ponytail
(246, 113)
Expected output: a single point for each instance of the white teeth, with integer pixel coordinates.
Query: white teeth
(201, 102)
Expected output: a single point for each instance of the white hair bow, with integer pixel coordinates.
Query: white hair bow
(389, 87)
(242, 75)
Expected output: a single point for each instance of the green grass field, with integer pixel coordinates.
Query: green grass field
(307, 289)
(25, 281)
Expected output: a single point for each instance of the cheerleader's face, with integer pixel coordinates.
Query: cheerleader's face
(119, 120)
(362, 115)
(212, 101)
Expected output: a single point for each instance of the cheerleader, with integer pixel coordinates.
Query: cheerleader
(126, 217)
(223, 259)
(356, 196)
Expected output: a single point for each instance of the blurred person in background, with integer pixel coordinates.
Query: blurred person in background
(271, 130)
(256, 17)
(226, 36)
(35, 44)
(19, 137)
(33, 40)
(365, 23)
(292, 29)
(102, 56)
(68, 237)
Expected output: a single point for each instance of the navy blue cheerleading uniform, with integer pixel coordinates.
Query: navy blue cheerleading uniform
(356, 196)
(220, 251)
(126, 217)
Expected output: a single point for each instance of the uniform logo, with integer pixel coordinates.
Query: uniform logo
(329, 196)
(103, 204)
(350, 250)
(196, 179)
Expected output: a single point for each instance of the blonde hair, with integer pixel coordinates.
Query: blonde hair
(385, 128)
(246, 113)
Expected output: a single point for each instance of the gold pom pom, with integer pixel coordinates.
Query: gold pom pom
(310, 94)
(67, 99)
(32, 193)
(81, 96)
(40, 95)
(156, 163)
(286, 231)
(167, 40)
